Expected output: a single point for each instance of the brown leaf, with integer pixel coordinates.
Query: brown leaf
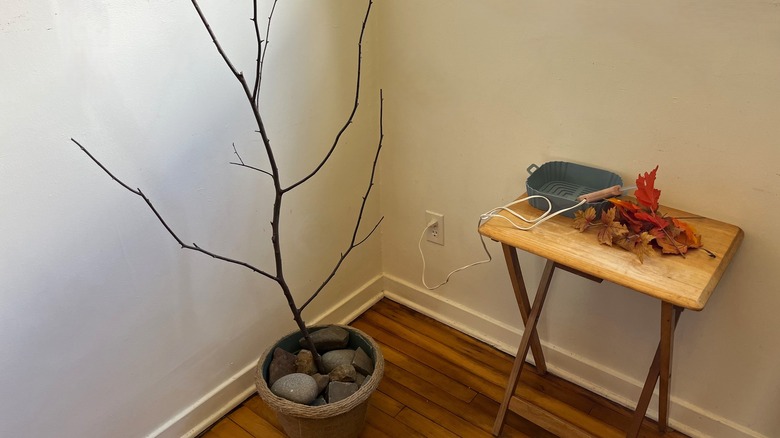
(668, 244)
(611, 229)
(584, 218)
(642, 246)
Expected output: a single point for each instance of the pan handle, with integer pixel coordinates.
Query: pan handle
(532, 168)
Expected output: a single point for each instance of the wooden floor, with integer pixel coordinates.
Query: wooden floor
(441, 383)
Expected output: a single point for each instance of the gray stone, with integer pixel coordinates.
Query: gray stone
(332, 359)
(304, 363)
(322, 381)
(338, 391)
(362, 362)
(328, 338)
(296, 387)
(282, 364)
(343, 373)
(360, 378)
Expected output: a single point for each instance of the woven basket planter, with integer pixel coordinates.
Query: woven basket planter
(343, 419)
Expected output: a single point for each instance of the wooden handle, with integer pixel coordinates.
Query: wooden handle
(601, 194)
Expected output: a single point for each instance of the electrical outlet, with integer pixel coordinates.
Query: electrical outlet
(434, 233)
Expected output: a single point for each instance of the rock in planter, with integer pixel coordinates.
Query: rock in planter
(282, 364)
(343, 373)
(332, 359)
(338, 391)
(304, 363)
(296, 387)
(330, 338)
(322, 381)
(362, 362)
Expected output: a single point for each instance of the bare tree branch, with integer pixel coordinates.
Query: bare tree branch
(242, 164)
(259, 51)
(251, 167)
(354, 107)
(193, 247)
(354, 243)
(264, 43)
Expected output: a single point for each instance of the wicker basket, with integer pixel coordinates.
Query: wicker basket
(343, 419)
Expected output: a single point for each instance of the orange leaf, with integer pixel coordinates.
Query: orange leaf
(630, 206)
(687, 236)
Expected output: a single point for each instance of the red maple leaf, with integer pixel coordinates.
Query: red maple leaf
(658, 221)
(646, 193)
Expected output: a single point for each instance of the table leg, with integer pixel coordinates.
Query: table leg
(522, 351)
(670, 314)
(521, 294)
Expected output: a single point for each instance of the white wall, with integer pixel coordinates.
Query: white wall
(477, 91)
(107, 328)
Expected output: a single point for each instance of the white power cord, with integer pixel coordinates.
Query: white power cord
(419, 247)
(494, 213)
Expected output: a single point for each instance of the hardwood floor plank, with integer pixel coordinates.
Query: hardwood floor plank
(432, 360)
(386, 404)
(256, 405)
(440, 380)
(423, 425)
(431, 410)
(381, 421)
(457, 340)
(513, 421)
(226, 428)
(254, 424)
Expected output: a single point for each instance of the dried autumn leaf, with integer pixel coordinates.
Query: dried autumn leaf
(627, 205)
(625, 213)
(645, 192)
(667, 243)
(658, 221)
(612, 229)
(688, 235)
(608, 215)
(584, 218)
(642, 246)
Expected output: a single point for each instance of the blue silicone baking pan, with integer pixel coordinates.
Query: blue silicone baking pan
(562, 182)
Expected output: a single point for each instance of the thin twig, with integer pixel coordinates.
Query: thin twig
(261, 60)
(259, 52)
(237, 154)
(251, 167)
(242, 164)
(354, 107)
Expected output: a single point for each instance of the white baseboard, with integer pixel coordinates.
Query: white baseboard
(218, 402)
(686, 417)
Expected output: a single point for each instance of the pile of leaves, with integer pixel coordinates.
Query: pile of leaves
(638, 226)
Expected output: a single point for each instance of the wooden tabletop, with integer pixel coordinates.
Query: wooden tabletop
(683, 281)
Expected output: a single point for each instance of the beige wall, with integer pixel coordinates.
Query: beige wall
(477, 91)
